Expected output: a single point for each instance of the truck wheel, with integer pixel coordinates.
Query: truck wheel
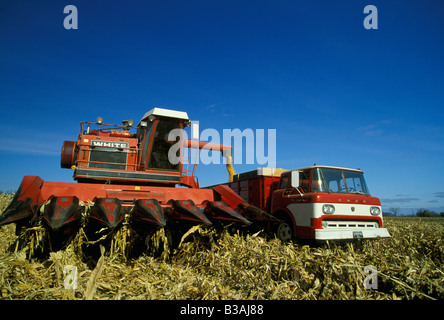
(284, 230)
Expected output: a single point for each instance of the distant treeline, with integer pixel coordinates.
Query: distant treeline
(419, 213)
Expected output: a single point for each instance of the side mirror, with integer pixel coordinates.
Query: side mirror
(295, 179)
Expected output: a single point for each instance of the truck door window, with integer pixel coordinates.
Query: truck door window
(284, 182)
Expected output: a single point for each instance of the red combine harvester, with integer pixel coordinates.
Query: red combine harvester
(124, 175)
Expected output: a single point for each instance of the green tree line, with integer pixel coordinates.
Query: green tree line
(395, 212)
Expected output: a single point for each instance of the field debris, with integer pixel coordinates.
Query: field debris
(207, 265)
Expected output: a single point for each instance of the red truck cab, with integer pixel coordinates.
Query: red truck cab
(316, 202)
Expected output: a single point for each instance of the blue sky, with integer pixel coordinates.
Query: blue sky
(336, 93)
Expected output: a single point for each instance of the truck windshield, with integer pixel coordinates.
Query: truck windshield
(338, 181)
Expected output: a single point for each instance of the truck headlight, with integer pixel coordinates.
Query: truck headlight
(328, 209)
(375, 211)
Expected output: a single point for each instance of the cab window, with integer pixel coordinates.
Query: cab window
(304, 180)
(284, 182)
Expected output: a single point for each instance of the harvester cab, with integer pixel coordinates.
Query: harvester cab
(113, 154)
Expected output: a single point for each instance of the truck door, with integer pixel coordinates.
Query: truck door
(285, 183)
(290, 182)
(280, 196)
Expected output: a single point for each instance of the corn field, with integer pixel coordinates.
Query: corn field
(210, 265)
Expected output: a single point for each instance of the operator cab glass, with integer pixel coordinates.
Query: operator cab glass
(161, 146)
(338, 181)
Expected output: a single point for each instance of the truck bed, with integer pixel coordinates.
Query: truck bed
(256, 186)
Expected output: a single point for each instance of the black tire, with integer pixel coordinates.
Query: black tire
(284, 230)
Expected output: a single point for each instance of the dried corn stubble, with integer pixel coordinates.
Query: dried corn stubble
(223, 266)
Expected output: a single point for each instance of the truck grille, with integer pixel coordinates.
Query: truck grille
(331, 224)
